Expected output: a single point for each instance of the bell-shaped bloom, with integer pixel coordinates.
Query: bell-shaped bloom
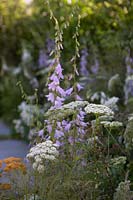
(58, 71)
(58, 134)
(69, 91)
(79, 87)
(60, 91)
(50, 97)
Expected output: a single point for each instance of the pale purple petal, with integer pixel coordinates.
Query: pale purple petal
(58, 102)
(58, 143)
(69, 91)
(60, 91)
(41, 133)
(67, 127)
(50, 97)
(55, 79)
(52, 86)
(49, 128)
(59, 125)
(71, 140)
(78, 98)
(58, 134)
(79, 87)
(58, 71)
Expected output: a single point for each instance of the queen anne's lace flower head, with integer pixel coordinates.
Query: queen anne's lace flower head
(31, 197)
(98, 109)
(40, 153)
(114, 124)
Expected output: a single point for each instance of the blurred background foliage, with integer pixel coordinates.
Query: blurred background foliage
(106, 31)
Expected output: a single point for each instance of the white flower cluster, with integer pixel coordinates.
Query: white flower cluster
(105, 100)
(98, 109)
(26, 56)
(114, 124)
(40, 153)
(65, 111)
(130, 118)
(118, 161)
(31, 197)
(18, 126)
(99, 96)
(112, 103)
(92, 140)
(27, 112)
(74, 105)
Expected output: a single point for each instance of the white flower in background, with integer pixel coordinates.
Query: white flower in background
(99, 96)
(74, 105)
(27, 112)
(18, 126)
(118, 161)
(114, 124)
(31, 197)
(40, 153)
(112, 103)
(130, 118)
(105, 100)
(98, 109)
(69, 1)
(26, 55)
(105, 118)
(128, 88)
(92, 140)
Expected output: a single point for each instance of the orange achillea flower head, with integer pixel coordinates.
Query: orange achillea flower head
(12, 159)
(5, 186)
(13, 163)
(1, 163)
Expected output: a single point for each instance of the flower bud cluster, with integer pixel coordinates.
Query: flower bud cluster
(40, 153)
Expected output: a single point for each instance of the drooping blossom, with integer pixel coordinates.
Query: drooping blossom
(50, 97)
(58, 134)
(78, 98)
(79, 87)
(58, 71)
(58, 102)
(63, 129)
(56, 93)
